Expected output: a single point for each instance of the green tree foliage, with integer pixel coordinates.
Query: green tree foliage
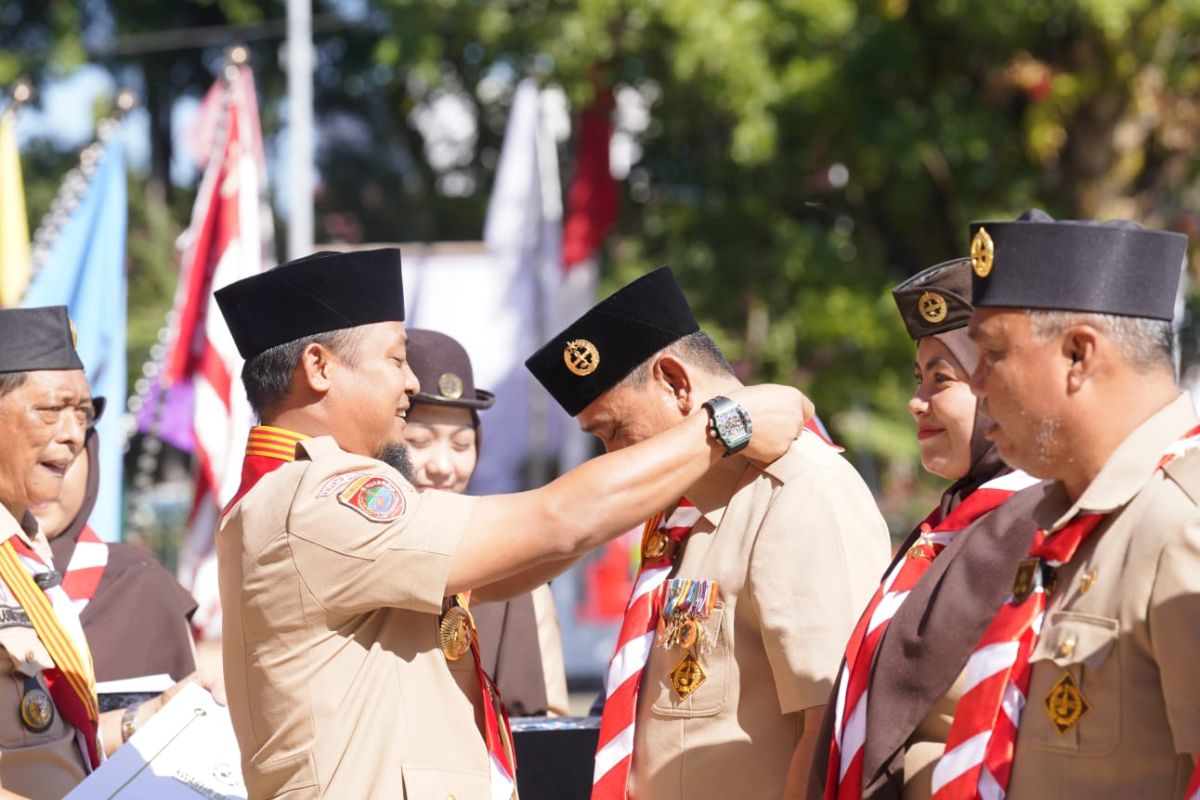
(803, 155)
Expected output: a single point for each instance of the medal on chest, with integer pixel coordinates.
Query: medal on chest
(37, 709)
(684, 624)
(456, 630)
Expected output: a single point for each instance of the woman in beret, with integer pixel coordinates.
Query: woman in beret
(519, 639)
(902, 675)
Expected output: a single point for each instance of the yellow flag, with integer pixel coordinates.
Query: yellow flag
(14, 227)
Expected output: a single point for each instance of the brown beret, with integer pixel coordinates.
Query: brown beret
(937, 299)
(444, 370)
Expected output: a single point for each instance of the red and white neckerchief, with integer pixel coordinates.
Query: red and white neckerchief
(614, 750)
(71, 682)
(844, 775)
(497, 735)
(1193, 790)
(85, 569)
(978, 759)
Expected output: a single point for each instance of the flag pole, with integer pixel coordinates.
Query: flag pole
(300, 125)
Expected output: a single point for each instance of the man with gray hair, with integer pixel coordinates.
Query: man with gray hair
(1083, 685)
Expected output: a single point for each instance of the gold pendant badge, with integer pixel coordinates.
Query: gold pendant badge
(455, 633)
(581, 357)
(983, 253)
(1065, 704)
(932, 306)
(687, 676)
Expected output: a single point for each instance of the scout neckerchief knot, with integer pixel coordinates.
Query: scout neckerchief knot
(457, 635)
(978, 759)
(844, 775)
(72, 681)
(85, 569)
(614, 750)
(268, 449)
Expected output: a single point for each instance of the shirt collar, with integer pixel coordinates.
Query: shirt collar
(1127, 469)
(712, 493)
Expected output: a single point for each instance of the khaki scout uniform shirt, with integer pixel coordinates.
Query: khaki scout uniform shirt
(1124, 623)
(798, 548)
(336, 681)
(37, 765)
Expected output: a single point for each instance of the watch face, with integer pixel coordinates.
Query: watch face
(731, 427)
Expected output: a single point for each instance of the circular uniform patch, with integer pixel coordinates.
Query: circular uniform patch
(373, 496)
(983, 253)
(581, 357)
(37, 710)
(932, 306)
(450, 386)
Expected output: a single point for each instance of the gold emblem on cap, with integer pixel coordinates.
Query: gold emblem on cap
(983, 253)
(932, 307)
(450, 385)
(687, 676)
(74, 333)
(1065, 704)
(455, 633)
(581, 357)
(37, 710)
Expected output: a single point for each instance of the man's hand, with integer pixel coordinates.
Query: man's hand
(778, 414)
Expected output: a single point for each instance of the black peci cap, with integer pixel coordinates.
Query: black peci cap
(937, 299)
(599, 349)
(35, 339)
(1116, 267)
(316, 294)
(444, 370)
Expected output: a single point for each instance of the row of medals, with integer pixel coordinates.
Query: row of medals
(687, 607)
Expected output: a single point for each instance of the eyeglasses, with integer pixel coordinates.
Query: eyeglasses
(85, 413)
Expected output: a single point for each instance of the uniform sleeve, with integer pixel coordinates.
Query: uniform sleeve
(816, 561)
(366, 539)
(1174, 622)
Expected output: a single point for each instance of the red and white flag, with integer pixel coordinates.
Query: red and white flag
(231, 237)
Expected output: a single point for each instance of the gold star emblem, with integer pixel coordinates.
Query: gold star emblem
(581, 357)
(983, 253)
(687, 676)
(1065, 704)
(932, 306)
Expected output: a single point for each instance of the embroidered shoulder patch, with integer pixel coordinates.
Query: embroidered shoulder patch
(373, 496)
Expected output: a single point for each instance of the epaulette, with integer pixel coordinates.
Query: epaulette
(1185, 471)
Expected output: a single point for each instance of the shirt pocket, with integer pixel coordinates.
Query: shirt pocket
(710, 697)
(436, 783)
(24, 654)
(1074, 699)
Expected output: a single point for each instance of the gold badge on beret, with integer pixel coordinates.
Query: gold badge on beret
(455, 632)
(581, 357)
(687, 676)
(74, 333)
(37, 709)
(932, 307)
(1065, 704)
(450, 385)
(983, 253)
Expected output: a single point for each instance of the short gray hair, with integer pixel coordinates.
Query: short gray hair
(697, 349)
(1146, 344)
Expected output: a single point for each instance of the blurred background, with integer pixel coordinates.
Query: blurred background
(791, 160)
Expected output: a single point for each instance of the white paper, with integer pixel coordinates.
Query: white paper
(146, 683)
(184, 752)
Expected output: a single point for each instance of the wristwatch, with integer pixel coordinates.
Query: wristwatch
(730, 423)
